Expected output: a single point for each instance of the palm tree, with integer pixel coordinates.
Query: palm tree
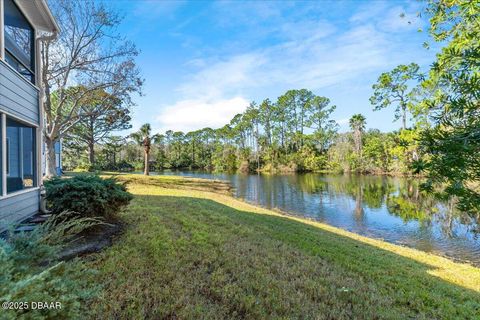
(357, 124)
(144, 138)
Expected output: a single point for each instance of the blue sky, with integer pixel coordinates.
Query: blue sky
(203, 62)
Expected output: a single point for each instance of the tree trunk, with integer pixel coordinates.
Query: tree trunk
(91, 141)
(193, 154)
(358, 204)
(50, 161)
(147, 167)
(404, 117)
(257, 147)
(358, 142)
(91, 153)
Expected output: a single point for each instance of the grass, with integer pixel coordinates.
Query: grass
(189, 253)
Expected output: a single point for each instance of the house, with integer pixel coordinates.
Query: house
(58, 158)
(22, 24)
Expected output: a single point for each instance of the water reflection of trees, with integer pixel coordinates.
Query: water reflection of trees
(409, 203)
(401, 197)
(369, 190)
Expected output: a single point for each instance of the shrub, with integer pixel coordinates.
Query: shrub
(30, 271)
(87, 194)
(79, 169)
(138, 165)
(83, 167)
(124, 166)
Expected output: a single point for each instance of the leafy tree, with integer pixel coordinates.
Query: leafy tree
(286, 118)
(267, 114)
(102, 113)
(340, 153)
(265, 138)
(319, 120)
(144, 138)
(112, 146)
(392, 88)
(406, 149)
(252, 116)
(292, 114)
(453, 142)
(377, 151)
(89, 52)
(357, 124)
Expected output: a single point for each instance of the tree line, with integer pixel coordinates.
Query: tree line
(293, 133)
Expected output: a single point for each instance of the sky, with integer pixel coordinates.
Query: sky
(203, 62)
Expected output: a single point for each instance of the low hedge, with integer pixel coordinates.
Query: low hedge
(87, 194)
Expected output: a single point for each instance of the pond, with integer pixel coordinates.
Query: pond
(388, 208)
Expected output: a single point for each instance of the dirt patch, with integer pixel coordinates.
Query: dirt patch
(92, 240)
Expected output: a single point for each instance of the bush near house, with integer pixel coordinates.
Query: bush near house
(88, 195)
(31, 271)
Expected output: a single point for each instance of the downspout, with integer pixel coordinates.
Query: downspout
(43, 193)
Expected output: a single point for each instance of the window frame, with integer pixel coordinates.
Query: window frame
(36, 125)
(7, 154)
(33, 67)
(3, 154)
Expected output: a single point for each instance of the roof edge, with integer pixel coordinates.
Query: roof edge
(50, 17)
(39, 15)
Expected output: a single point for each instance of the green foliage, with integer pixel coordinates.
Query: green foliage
(143, 137)
(377, 151)
(269, 134)
(453, 140)
(87, 195)
(138, 165)
(357, 124)
(309, 159)
(124, 166)
(341, 153)
(225, 159)
(248, 263)
(394, 88)
(102, 113)
(406, 149)
(31, 273)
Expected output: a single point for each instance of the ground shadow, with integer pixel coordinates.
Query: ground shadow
(405, 283)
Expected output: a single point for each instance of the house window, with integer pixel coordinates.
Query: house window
(21, 162)
(19, 41)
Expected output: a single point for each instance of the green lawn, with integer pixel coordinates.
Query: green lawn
(192, 254)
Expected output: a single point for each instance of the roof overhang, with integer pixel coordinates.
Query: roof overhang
(38, 14)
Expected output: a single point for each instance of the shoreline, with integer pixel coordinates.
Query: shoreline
(192, 252)
(222, 185)
(264, 172)
(440, 261)
(403, 250)
(307, 219)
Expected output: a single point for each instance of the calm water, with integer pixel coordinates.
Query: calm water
(381, 207)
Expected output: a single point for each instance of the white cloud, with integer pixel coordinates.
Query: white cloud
(308, 53)
(320, 58)
(224, 77)
(187, 115)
